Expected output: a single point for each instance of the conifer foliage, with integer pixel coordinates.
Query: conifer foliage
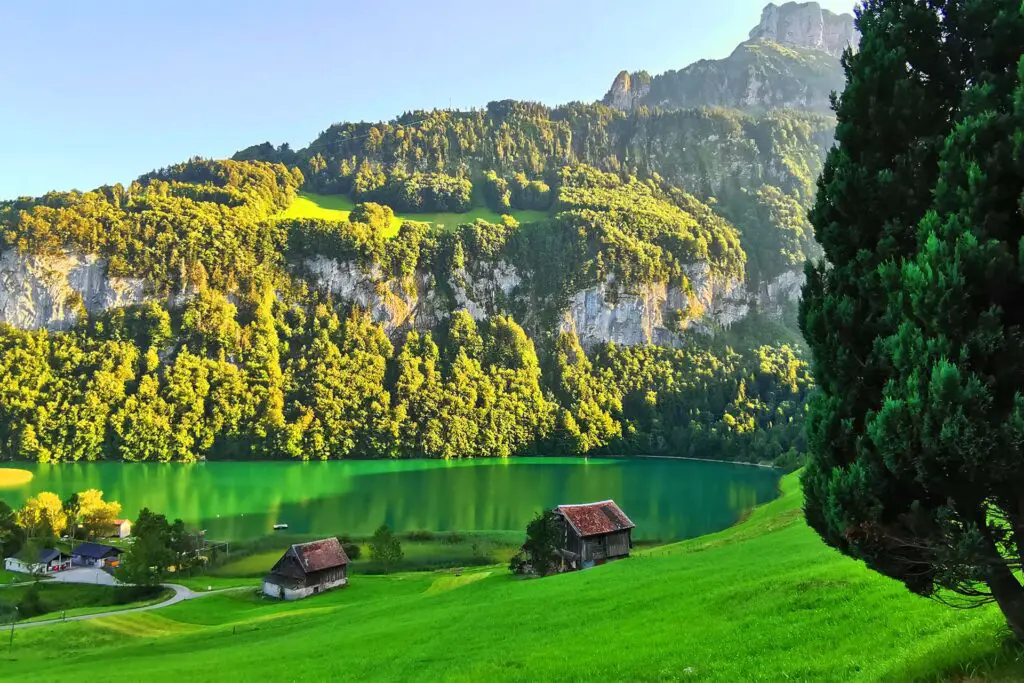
(914, 317)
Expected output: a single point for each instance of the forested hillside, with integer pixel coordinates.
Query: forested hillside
(644, 304)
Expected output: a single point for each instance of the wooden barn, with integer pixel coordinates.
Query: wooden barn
(306, 569)
(594, 533)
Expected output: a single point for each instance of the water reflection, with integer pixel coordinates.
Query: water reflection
(667, 499)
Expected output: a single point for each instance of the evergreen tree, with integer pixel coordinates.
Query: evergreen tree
(913, 320)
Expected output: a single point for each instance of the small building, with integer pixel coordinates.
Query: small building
(95, 555)
(121, 528)
(50, 560)
(594, 533)
(306, 569)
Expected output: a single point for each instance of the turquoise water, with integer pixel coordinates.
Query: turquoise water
(667, 499)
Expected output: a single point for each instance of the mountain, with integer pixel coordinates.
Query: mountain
(516, 279)
(790, 62)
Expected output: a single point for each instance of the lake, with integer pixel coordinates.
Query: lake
(667, 499)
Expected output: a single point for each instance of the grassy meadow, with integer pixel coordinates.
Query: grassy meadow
(762, 601)
(338, 207)
(58, 599)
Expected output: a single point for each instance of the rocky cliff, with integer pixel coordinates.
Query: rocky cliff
(790, 62)
(654, 313)
(806, 25)
(53, 292)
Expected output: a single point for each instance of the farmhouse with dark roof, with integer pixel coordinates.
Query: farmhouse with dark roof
(95, 555)
(307, 568)
(594, 533)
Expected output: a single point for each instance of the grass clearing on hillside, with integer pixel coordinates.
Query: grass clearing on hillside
(337, 207)
(763, 601)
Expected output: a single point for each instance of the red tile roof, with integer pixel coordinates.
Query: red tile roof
(594, 519)
(317, 555)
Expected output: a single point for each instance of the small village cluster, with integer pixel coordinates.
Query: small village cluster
(590, 534)
(87, 554)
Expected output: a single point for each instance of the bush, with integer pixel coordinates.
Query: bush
(31, 603)
(353, 550)
(421, 535)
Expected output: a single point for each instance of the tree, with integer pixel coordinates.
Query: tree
(914, 320)
(150, 556)
(543, 540)
(12, 536)
(385, 548)
(97, 515)
(73, 513)
(42, 516)
(186, 545)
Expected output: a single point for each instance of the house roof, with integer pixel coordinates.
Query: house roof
(319, 555)
(119, 522)
(45, 555)
(49, 555)
(96, 551)
(594, 519)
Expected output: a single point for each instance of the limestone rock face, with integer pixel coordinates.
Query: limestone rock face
(806, 25)
(790, 62)
(51, 292)
(628, 90)
(39, 292)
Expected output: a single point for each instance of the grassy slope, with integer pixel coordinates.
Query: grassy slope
(764, 600)
(73, 599)
(338, 207)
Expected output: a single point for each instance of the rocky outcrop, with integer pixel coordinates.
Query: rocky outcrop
(628, 90)
(649, 314)
(53, 291)
(790, 62)
(806, 25)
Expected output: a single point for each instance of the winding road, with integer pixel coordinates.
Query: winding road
(94, 576)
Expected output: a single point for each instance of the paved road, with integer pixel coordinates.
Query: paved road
(91, 575)
(85, 575)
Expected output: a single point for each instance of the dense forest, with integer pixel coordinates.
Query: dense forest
(238, 354)
(758, 171)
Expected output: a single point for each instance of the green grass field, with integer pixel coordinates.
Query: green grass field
(762, 601)
(7, 577)
(338, 207)
(418, 555)
(73, 599)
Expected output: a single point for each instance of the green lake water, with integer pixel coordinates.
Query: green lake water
(667, 499)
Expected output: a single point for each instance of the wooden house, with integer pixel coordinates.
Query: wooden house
(594, 533)
(120, 528)
(306, 569)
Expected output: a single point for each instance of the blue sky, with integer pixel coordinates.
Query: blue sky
(101, 92)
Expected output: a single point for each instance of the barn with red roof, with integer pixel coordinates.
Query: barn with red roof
(594, 533)
(306, 569)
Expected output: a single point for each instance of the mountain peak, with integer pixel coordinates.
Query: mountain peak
(806, 25)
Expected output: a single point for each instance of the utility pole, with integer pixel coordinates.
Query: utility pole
(14, 618)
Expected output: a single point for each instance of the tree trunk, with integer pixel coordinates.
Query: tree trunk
(1009, 595)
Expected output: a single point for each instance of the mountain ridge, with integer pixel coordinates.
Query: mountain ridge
(790, 61)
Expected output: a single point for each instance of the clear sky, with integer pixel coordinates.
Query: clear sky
(101, 92)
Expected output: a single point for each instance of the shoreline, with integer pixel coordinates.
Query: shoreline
(684, 457)
(14, 464)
